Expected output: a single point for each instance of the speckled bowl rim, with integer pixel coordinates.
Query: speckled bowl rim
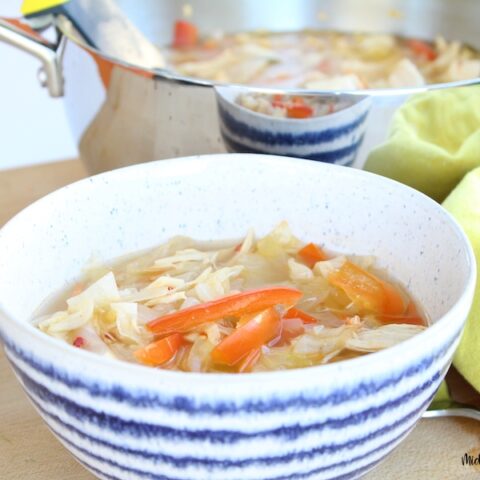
(224, 379)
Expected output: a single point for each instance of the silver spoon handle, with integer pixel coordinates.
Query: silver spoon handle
(453, 412)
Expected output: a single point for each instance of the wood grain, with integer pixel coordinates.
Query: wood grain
(20, 187)
(28, 451)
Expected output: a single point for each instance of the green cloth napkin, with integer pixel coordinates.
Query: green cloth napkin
(434, 140)
(464, 204)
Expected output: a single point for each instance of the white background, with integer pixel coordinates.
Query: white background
(33, 126)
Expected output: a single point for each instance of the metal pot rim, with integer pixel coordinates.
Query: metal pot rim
(65, 27)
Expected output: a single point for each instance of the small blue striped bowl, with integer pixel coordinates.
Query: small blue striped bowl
(127, 422)
(333, 138)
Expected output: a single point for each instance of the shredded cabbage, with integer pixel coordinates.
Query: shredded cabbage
(371, 340)
(113, 315)
(324, 60)
(126, 318)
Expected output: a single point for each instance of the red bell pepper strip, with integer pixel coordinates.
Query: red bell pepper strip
(296, 110)
(232, 305)
(185, 34)
(411, 316)
(422, 49)
(303, 316)
(367, 291)
(160, 351)
(258, 331)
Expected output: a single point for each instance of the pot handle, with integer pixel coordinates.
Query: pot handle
(19, 34)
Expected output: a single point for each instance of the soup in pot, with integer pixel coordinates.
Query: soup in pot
(320, 60)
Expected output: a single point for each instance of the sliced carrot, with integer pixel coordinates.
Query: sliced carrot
(411, 316)
(258, 331)
(303, 316)
(311, 254)
(367, 291)
(232, 305)
(185, 34)
(422, 49)
(160, 351)
(299, 111)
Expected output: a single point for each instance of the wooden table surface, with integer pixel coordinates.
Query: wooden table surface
(28, 451)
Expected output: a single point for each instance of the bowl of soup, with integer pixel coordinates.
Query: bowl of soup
(233, 316)
(328, 128)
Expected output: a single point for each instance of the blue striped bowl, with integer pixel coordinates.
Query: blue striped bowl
(124, 421)
(334, 138)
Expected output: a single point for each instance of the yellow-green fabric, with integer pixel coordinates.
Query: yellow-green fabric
(464, 204)
(434, 140)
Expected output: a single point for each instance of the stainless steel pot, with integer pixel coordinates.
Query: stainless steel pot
(121, 113)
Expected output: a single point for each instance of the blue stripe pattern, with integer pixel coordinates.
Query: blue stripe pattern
(185, 462)
(139, 399)
(144, 430)
(102, 420)
(288, 139)
(331, 156)
(356, 473)
(154, 476)
(99, 453)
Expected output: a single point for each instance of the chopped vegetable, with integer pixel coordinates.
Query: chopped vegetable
(323, 341)
(77, 289)
(297, 110)
(291, 328)
(79, 342)
(249, 361)
(298, 271)
(410, 317)
(265, 304)
(311, 254)
(210, 44)
(303, 316)
(232, 305)
(372, 340)
(185, 34)
(161, 351)
(319, 60)
(422, 49)
(278, 242)
(258, 331)
(405, 72)
(366, 290)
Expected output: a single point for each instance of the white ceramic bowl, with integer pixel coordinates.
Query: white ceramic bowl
(334, 138)
(124, 421)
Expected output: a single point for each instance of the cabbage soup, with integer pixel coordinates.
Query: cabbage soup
(255, 305)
